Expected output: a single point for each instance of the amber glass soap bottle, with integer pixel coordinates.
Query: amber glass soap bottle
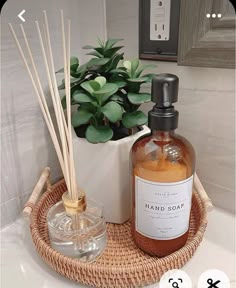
(162, 176)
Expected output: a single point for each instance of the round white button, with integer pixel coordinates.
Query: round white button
(213, 279)
(175, 279)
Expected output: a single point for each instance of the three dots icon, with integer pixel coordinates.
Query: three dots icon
(208, 15)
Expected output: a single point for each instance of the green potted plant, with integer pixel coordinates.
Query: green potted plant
(106, 97)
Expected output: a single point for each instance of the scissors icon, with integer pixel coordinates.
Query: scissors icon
(212, 285)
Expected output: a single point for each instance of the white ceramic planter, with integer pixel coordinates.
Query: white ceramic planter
(102, 171)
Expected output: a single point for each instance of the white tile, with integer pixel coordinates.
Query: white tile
(198, 78)
(221, 196)
(126, 29)
(122, 9)
(25, 152)
(10, 211)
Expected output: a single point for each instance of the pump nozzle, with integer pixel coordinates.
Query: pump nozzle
(165, 90)
(163, 116)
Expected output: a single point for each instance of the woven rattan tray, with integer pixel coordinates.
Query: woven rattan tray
(122, 264)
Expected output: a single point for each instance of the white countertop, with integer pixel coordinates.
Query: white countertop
(21, 266)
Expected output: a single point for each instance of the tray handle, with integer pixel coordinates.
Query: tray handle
(197, 186)
(37, 191)
(45, 178)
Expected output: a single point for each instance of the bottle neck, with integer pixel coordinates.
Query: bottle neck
(163, 135)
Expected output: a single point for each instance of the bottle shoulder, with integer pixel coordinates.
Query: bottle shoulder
(163, 157)
(174, 146)
(174, 139)
(183, 141)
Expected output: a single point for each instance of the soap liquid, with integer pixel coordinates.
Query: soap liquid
(164, 158)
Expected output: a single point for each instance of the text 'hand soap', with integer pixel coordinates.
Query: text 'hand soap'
(162, 176)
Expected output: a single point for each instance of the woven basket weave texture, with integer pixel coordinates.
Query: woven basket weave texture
(122, 265)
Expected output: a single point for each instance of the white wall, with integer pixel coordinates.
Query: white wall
(206, 105)
(26, 147)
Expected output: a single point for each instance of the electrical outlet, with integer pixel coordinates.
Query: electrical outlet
(160, 20)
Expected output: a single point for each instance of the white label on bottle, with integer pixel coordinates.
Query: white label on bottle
(163, 209)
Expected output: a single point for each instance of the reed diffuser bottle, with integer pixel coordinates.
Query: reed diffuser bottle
(162, 176)
(77, 228)
(76, 225)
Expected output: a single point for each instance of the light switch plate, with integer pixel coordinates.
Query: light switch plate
(160, 20)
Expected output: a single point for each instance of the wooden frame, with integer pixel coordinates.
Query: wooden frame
(205, 41)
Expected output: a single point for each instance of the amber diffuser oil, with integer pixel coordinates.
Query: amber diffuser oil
(162, 176)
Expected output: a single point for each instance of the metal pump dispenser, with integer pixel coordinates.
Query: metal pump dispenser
(163, 116)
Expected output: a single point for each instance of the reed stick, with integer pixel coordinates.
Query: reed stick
(53, 96)
(38, 80)
(66, 56)
(46, 50)
(58, 104)
(65, 150)
(40, 86)
(48, 72)
(36, 75)
(67, 88)
(50, 128)
(77, 191)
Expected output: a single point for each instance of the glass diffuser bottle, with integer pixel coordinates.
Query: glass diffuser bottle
(162, 176)
(77, 228)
